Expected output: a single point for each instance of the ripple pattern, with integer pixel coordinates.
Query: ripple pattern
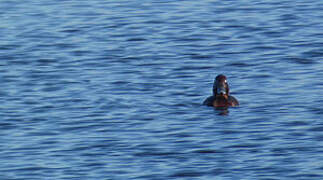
(113, 89)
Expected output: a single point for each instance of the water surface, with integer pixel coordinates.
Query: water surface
(113, 89)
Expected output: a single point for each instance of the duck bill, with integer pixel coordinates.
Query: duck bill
(221, 90)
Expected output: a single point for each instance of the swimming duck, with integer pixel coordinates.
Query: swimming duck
(221, 96)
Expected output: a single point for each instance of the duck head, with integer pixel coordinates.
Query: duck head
(221, 87)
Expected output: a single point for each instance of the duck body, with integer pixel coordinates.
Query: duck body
(221, 96)
(214, 101)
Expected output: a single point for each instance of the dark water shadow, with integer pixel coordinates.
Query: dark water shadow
(223, 111)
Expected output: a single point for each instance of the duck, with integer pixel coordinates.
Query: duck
(221, 94)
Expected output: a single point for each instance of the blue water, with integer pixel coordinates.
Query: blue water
(114, 89)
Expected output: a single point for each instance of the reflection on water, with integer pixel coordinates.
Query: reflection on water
(113, 90)
(222, 110)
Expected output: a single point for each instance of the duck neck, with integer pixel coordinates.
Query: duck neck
(222, 100)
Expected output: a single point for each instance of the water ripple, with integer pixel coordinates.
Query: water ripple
(114, 90)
